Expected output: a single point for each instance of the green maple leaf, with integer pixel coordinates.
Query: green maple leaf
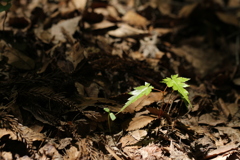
(177, 84)
(137, 93)
(5, 6)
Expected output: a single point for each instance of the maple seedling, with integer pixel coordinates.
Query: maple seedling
(178, 84)
(175, 82)
(110, 114)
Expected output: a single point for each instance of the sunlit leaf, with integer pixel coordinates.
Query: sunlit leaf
(112, 116)
(177, 84)
(137, 93)
(106, 110)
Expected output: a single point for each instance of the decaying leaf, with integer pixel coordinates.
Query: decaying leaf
(133, 18)
(187, 10)
(75, 54)
(127, 31)
(133, 137)
(17, 58)
(140, 122)
(72, 153)
(151, 151)
(102, 25)
(139, 134)
(79, 4)
(96, 116)
(128, 140)
(70, 26)
(221, 150)
(228, 18)
(149, 48)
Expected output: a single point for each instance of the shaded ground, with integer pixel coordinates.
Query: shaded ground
(63, 62)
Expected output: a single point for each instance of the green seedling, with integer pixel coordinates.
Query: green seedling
(110, 114)
(175, 82)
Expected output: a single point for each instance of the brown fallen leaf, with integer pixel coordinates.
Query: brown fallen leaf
(113, 14)
(149, 48)
(163, 31)
(127, 31)
(72, 154)
(70, 26)
(135, 19)
(221, 150)
(187, 10)
(228, 18)
(79, 4)
(138, 134)
(16, 58)
(232, 134)
(212, 121)
(224, 107)
(127, 141)
(102, 25)
(75, 54)
(96, 116)
(63, 143)
(140, 122)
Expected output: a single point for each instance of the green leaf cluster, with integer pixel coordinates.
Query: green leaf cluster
(177, 84)
(5, 5)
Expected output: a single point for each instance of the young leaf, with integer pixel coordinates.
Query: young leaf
(107, 110)
(177, 83)
(137, 93)
(112, 116)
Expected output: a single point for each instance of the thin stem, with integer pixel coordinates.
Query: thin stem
(6, 12)
(157, 90)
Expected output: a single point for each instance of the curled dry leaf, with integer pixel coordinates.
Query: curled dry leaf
(113, 13)
(69, 26)
(102, 25)
(75, 54)
(212, 121)
(139, 134)
(63, 143)
(133, 137)
(72, 153)
(149, 48)
(79, 4)
(151, 151)
(140, 122)
(187, 10)
(96, 116)
(127, 31)
(228, 18)
(221, 150)
(135, 19)
(128, 140)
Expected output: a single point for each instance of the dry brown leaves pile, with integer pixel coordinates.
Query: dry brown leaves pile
(63, 61)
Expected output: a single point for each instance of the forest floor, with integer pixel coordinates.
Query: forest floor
(64, 61)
